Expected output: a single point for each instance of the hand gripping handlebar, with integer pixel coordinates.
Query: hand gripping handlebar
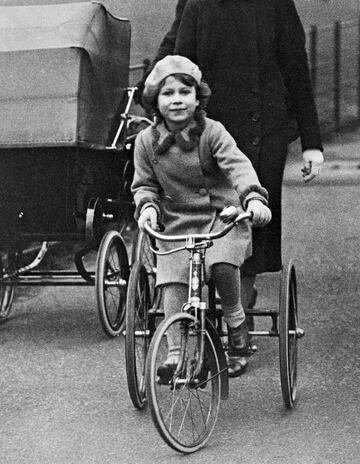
(197, 237)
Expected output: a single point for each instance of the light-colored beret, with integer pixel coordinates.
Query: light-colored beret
(171, 64)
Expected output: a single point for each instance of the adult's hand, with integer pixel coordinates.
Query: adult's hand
(313, 159)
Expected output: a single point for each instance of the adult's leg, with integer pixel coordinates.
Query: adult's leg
(248, 297)
(247, 289)
(266, 256)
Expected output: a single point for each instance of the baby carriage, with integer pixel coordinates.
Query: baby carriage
(65, 151)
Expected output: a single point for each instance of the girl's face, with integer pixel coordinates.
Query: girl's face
(177, 103)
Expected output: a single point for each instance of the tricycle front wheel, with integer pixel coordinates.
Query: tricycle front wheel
(185, 408)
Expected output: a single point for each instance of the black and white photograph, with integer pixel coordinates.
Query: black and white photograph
(179, 231)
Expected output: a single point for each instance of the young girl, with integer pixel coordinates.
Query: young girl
(187, 170)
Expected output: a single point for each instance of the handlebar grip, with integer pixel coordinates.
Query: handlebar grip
(229, 213)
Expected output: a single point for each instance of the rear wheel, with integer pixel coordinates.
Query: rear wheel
(8, 264)
(142, 252)
(288, 335)
(137, 333)
(185, 409)
(111, 280)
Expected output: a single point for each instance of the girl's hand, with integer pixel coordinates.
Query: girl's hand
(260, 212)
(313, 159)
(148, 215)
(228, 214)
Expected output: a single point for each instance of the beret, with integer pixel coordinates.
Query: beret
(171, 64)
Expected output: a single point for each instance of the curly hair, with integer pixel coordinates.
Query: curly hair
(203, 93)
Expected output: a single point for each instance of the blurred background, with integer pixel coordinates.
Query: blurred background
(333, 42)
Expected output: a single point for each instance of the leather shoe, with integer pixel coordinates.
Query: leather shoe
(239, 341)
(236, 366)
(165, 373)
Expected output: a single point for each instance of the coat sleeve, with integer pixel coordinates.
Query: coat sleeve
(167, 44)
(145, 187)
(186, 39)
(294, 67)
(235, 165)
(166, 47)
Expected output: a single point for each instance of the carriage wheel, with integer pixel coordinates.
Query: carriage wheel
(138, 333)
(8, 264)
(288, 335)
(111, 280)
(185, 409)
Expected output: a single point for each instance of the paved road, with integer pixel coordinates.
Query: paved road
(63, 394)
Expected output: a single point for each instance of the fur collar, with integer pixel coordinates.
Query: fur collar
(186, 139)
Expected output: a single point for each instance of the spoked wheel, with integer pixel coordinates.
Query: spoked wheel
(185, 409)
(8, 264)
(137, 332)
(288, 335)
(111, 280)
(142, 252)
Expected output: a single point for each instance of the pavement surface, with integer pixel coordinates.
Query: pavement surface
(64, 396)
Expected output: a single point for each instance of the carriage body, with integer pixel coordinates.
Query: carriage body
(64, 76)
(65, 156)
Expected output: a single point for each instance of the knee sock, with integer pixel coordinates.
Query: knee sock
(227, 282)
(175, 295)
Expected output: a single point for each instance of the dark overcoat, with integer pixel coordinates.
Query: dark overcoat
(252, 54)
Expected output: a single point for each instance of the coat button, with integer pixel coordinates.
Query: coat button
(203, 192)
(256, 141)
(256, 117)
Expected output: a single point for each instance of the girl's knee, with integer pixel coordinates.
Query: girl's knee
(225, 271)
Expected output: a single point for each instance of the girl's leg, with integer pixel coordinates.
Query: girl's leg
(175, 295)
(227, 282)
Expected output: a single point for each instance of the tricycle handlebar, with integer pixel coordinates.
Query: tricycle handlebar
(197, 237)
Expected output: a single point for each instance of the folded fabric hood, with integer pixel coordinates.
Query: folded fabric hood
(64, 69)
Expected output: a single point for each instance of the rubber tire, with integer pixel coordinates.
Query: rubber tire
(156, 393)
(137, 333)
(7, 292)
(141, 252)
(288, 323)
(111, 242)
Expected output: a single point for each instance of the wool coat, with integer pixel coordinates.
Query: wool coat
(190, 187)
(252, 55)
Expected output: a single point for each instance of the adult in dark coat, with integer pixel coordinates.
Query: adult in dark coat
(252, 54)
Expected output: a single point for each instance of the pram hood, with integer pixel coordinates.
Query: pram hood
(64, 69)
